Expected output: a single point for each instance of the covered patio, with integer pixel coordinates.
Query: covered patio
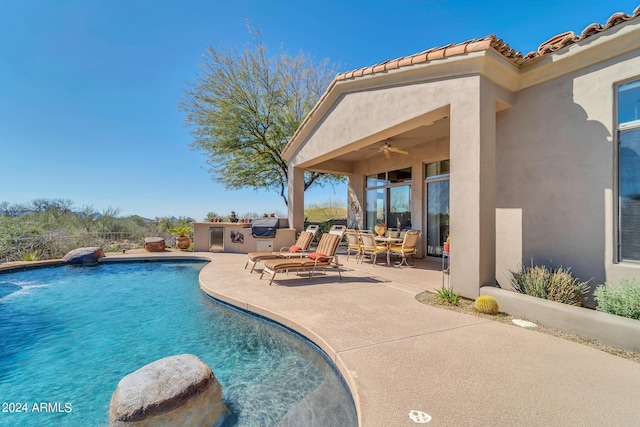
(417, 145)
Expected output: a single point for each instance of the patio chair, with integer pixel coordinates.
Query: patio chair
(299, 248)
(408, 246)
(392, 232)
(325, 256)
(369, 246)
(353, 243)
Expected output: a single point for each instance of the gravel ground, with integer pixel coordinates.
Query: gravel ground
(466, 306)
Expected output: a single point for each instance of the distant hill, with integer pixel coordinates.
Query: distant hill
(324, 213)
(96, 215)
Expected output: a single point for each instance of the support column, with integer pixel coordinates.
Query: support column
(355, 201)
(295, 188)
(473, 189)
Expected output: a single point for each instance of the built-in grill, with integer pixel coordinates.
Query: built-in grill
(264, 228)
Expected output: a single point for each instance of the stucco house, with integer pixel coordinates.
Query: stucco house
(516, 157)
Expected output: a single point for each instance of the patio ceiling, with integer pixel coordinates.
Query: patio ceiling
(341, 163)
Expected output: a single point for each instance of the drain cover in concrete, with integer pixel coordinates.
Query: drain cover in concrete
(524, 323)
(419, 417)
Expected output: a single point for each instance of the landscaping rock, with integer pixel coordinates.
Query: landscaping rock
(154, 244)
(84, 256)
(177, 390)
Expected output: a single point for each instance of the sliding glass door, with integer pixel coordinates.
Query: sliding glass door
(437, 206)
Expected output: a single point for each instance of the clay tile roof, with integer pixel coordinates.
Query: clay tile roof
(491, 42)
(561, 40)
(453, 49)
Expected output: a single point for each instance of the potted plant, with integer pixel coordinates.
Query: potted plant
(183, 241)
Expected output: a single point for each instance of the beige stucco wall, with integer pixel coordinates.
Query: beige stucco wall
(555, 174)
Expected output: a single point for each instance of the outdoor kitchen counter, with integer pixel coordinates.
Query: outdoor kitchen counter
(237, 238)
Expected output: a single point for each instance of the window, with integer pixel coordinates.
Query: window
(388, 199)
(629, 171)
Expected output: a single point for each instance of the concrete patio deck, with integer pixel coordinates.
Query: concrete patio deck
(398, 355)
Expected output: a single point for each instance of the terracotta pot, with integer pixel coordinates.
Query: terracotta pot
(183, 242)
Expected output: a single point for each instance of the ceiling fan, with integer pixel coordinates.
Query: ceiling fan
(387, 149)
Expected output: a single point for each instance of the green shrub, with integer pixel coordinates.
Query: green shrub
(621, 298)
(556, 285)
(447, 296)
(486, 304)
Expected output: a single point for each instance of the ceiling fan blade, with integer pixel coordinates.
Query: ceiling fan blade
(397, 150)
(373, 154)
(386, 154)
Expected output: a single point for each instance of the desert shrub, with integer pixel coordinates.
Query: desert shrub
(486, 304)
(531, 281)
(621, 298)
(30, 256)
(447, 295)
(556, 285)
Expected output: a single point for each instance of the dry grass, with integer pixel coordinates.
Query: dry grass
(466, 307)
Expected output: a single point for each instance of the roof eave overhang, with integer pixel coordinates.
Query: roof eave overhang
(616, 41)
(487, 63)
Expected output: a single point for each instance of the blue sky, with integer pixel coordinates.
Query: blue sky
(89, 89)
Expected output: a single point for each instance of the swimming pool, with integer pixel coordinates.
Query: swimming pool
(69, 334)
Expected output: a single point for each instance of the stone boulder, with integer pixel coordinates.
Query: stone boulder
(175, 391)
(154, 244)
(84, 256)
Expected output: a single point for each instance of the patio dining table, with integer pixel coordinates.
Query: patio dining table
(388, 241)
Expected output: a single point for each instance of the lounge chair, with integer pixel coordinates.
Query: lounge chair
(299, 248)
(313, 229)
(408, 246)
(325, 256)
(369, 246)
(338, 229)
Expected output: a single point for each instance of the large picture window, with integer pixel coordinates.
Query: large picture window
(388, 197)
(629, 171)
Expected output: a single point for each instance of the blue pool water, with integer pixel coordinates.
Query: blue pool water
(69, 334)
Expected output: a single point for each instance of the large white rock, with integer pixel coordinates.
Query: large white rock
(175, 391)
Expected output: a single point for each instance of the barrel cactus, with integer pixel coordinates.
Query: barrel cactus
(486, 304)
